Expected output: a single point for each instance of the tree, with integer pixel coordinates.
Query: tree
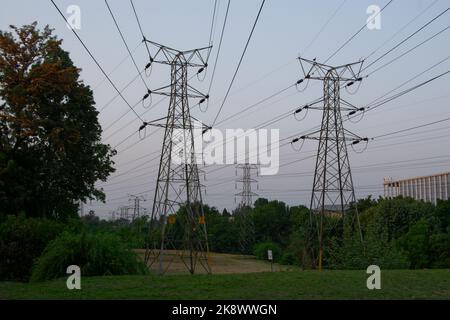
(303, 240)
(51, 153)
(442, 214)
(416, 244)
(272, 222)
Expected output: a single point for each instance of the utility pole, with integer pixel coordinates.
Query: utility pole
(333, 190)
(178, 184)
(243, 217)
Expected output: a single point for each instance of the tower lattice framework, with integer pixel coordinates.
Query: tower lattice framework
(246, 180)
(178, 188)
(243, 214)
(333, 191)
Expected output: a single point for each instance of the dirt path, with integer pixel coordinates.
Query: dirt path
(220, 263)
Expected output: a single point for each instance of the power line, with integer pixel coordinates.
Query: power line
(121, 91)
(371, 165)
(412, 128)
(144, 39)
(256, 104)
(382, 165)
(357, 32)
(401, 29)
(96, 62)
(406, 39)
(117, 66)
(145, 112)
(298, 160)
(126, 45)
(398, 95)
(374, 104)
(240, 62)
(129, 123)
(369, 107)
(121, 117)
(409, 80)
(220, 46)
(409, 51)
(324, 26)
(212, 29)
(417, 133)
(263, 100)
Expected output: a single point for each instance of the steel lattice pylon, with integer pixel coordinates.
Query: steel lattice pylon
(246, 194)
(333, 189)
(178, 183)
(243, 212)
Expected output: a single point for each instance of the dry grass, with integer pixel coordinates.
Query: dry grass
(220, 263)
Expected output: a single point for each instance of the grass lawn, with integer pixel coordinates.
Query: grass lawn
(395, 284)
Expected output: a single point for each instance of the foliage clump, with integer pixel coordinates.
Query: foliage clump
(96, 254)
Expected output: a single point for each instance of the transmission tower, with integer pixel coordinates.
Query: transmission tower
(136, 201)
(243, 213)
(246, 179)
(124, 212)
(333, 190)
(178, 184)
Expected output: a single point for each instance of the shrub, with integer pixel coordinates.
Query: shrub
(22, 240)
(415, 244)
(95, 253)
(260, 251)
(440, 249)
(289, 259)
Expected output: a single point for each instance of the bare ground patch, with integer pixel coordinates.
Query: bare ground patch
(220, 263)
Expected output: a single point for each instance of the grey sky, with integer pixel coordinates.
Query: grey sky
(284, 31)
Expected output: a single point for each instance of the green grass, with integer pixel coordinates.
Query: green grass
(395, 284)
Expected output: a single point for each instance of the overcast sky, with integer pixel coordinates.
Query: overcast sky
(314, 29)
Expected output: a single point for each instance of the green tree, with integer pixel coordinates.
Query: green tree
(439, 251)
(303, 240)
(416, 243)
(272, 222)
(244, 221)
(442, 214)
(396, 216)
(51, 153)
(223, 233)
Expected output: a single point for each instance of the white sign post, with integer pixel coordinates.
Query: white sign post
(270, 257)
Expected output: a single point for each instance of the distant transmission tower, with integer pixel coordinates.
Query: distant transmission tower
(243, 213)
(178, 184)
(124, 213)
(246, 179)
(333, 190)
(136, 201)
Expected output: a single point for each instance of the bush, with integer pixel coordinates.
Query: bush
(260, 251)
(95, 253)
(440, 250)
(415, 244)
(22, 240)
(289, 259)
